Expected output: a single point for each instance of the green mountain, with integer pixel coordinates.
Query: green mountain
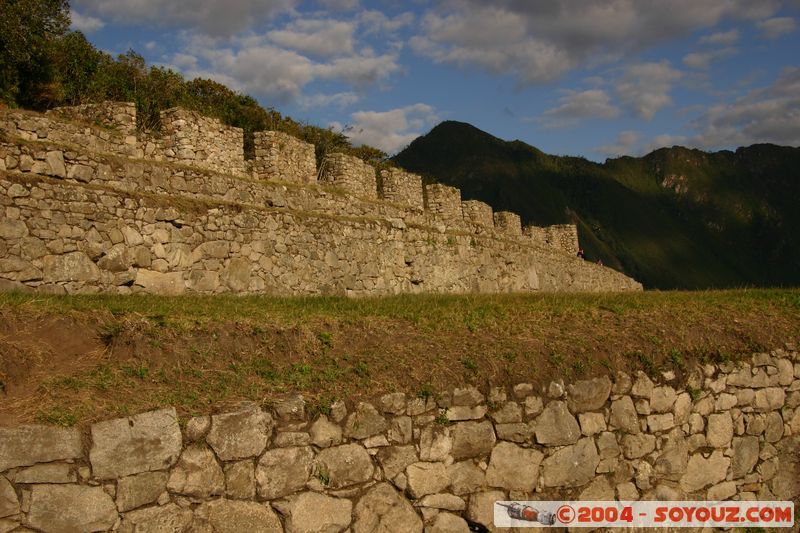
(675, 218)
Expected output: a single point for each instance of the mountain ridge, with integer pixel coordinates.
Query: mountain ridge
(674, 218)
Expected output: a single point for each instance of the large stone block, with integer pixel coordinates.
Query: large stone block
(240, 434)
(140, 443)
(284, 470)
(471, 439)
(311, 512)
(70, 508)
(588, 395)
(345, 465)
(513, 468)
(231, 516)
(571, 466)
(383, 510)
(556, 426)
(27, 445)
(197, 474)
(73, 266)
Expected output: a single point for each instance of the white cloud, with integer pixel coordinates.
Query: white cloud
(540, 41)
(208, 16)
(316, 37)
(575, 106)
(644, 88)
(338, 100)
(374, 22)
(776, 27)
(665, 140)
(339, 5)
(390, 130)
(86, 24)
(766, 115)
(359, 69)
(725, 38)
(703, 60)
(626, 141)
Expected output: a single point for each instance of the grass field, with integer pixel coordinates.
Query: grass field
(74, 359)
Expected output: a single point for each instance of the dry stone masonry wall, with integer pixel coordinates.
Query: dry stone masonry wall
(404, 463)
(89, 206)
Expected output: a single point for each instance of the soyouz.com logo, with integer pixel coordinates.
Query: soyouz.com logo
(643, 514)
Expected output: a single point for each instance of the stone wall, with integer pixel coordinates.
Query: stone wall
(562, 237)
(118, 115)
(192, 139)
(477, 214)
(88, 208)
(351, 174)
(444, 203)
(508, 223)
(403, 188)
(405, 463)
(281, 157)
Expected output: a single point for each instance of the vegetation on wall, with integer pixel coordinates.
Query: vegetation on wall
(44, 65)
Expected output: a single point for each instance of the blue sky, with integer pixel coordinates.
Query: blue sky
(597, 78)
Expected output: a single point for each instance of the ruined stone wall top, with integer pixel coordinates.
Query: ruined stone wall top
(351, 174)
(562, 237)
(118, 115)
(403, 188)
(478, 214)
(190, 138)
(508, 223)
(444, 203)
(282, 157)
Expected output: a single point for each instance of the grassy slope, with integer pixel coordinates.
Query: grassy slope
(69, 360)
(737, 224)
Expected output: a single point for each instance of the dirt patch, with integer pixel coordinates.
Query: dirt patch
(96, 362)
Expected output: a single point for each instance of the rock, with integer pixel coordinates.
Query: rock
(769, 399)
(448, 523)
(383, 510)
(197, 428)
(636, 446)
(513, 468)
(311, 512)
(591, 423)
(117, 259)
(140, 489)
(622, 383)
(240, 434)
(659, 423)
(394, 403)
(426, 478)
(481, 507)
(435, 443)
(702, 472)
(774, 427)
(401, 430)
(240, 480)
(237, 275)
(682, 408)
(73, 266)
(364, 422)
(624, 416)
(166, 519)
(325, 433)
(571, 466)
(642, 387)
(282, 471)
(719, 430)
(662, 399)
(671, 463)
(460, 412)
(556, 426)
(140, 443)
(533, 405)
(467, 397)
(197, 474)
(285, 439)
(12, 229)
(55, 160)
(745, 456)
(46, 473)
(509, 413)
(626, 492)
(599, 490)
(344, 465)
(607, 445)
(519, 432)
(471, 439)
(231, 516)
(522, 390)
(9, 504)
(170, 284)
(395, 459)
(70, 508)
(447, 502)
(721, 492)
(588, 395)
(465, 477)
